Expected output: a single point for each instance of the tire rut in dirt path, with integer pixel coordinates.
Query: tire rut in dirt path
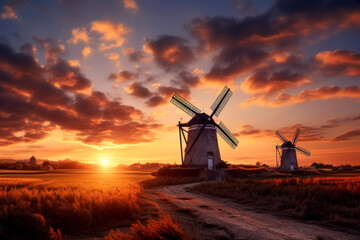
(206, 217)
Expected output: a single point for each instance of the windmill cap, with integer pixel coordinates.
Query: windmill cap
(200, 118)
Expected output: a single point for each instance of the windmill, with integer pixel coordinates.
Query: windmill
(202, 149)
(288, 160)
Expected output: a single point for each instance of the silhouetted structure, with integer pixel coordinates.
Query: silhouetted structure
(202, 149)
(288, 155)
(32, 162)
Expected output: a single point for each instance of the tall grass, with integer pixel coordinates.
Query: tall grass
(163, 228)
(46, 210)
(332, 200)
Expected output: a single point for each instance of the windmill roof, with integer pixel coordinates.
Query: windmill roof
(198, 119)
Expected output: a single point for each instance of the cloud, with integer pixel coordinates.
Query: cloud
(339, 62)
(36, 100)
(236, 61)
(170, 52)
(86, 51)
(28, 48)
(323, 93)
(114, 57)
(122, 76)
(248, 130)
(136, 56)
(242, 45)
(307, 134)
(131, 5)
(266, 82)
(68, 77)
(51, 47)
(156, 101)
(74, 63)
(112, 34)
(8, 13)
(347, 136)
(79, 35)
(138, 90)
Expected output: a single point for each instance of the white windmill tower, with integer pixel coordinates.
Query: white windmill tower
(202, 149)
(288, 152)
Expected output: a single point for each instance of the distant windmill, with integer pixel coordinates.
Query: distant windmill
(288, 153)
(202, 149)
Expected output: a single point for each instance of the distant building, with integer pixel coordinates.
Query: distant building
(314, 166)
(32, 162)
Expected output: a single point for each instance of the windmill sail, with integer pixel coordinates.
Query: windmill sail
(221, 101)
(226, 135)
(184, 105)
(303, 151)
(282, 138)
(296, 136)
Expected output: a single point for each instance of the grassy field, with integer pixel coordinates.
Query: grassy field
(42, 205)
(332, 200)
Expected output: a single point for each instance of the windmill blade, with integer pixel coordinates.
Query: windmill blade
(226, 135)
(184, 105)
(282, 138)
(303, 151)
(296, 136)
(221, 101)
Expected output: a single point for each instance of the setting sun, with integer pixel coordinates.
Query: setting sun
(104, 163)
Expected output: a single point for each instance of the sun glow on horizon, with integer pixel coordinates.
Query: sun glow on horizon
(104, 163)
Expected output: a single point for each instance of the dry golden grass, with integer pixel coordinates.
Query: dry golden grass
(46, 208)
(163, 228)
(332, 200)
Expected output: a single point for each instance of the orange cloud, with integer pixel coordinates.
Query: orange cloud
(86, 51)
(170, 52)
(122, 76)
(114, 57)
(112, 34)
(8, 13)
(339, 62)
(79, 35)
(131, 5)
(38, 99)
(264, 82)
(307, 95)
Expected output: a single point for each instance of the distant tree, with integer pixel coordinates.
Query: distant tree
(223, 164)
(258, 164)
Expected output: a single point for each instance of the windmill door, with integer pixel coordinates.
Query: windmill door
(210, 161)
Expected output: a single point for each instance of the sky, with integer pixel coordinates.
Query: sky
(90, 80)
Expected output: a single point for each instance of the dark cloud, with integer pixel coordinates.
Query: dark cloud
(138, 90)
(170, 52)
(235, 61)
(68, 77)
(156, 101)
(254, 45)
(268, 82)
(181, 84)
(185, 78)
(51, 47)
(323, 93)
(122, 76)
(135, 56)
(347, 136)
(339, 62)
(28, 48)
(35, 100)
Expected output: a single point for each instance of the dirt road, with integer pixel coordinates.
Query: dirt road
(207, 217)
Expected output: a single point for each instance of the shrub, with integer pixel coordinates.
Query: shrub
(163, 228)
(334, 200)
